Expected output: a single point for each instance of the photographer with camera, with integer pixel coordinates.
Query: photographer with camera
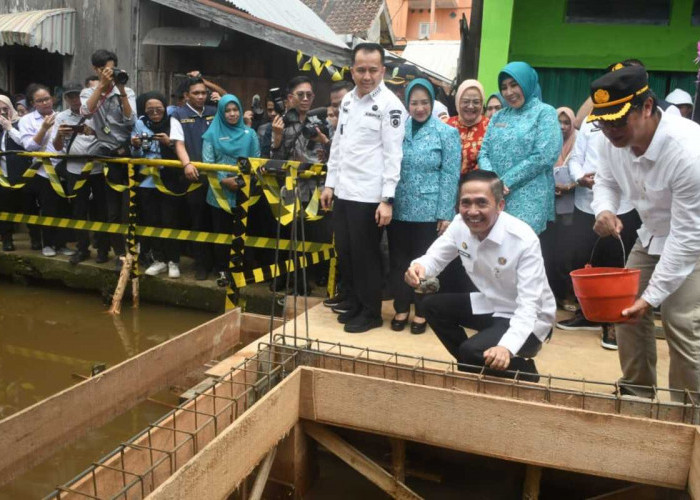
(70, 135)
(151, 139)
(110, 108)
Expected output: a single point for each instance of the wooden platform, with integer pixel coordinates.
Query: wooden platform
(571, 354)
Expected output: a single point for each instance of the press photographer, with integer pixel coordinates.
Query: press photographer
(297, 135)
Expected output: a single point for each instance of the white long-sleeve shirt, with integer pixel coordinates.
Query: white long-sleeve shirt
(664, 186)
(29, 126)
(585, 159)
(507, 268)
(365, 158)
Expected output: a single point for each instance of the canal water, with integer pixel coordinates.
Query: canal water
(49, 338)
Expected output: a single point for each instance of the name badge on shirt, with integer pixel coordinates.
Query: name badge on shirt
(373, 115)
(225, 138)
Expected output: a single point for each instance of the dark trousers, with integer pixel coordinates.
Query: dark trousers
(90, 204)
(19, 201)
(407, 241)
(51, 205)
(448, 314)
(222, 222)
(117, 205)
(159, 210)
(200, 220)
(557, 260)
(357, 238)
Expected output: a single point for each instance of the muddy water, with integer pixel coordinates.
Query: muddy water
(49, 337)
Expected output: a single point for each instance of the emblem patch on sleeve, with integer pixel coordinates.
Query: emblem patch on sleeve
(395, 117)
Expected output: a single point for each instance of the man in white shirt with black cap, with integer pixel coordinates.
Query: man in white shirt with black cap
(513, 310)
(651, 158)
(363, 171)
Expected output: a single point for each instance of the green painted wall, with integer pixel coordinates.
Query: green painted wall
(540, 36)
(495, 41)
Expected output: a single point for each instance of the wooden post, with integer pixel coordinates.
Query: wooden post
(263, 474)
(398, 458)
(295, 462)
(122, 283)
(531, 488)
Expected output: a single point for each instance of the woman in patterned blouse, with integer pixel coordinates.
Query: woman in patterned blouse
(425, 196)
(470, 121)
(522, 145)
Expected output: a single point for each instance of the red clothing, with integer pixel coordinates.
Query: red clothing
(472, 137)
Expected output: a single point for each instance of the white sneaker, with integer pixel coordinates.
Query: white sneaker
(48, 252)
(173, 270)
(66, 251)
(156, 268)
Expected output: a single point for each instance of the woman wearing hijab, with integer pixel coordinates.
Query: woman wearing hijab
(470, 121)
(522, 145)
(12, 168)
(424, 202)
(557, 260)
(151, 139)
(494, 104)
(226, 140)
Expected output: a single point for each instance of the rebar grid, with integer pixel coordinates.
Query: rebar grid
(209, 411)
(671, 405)
(229, 397)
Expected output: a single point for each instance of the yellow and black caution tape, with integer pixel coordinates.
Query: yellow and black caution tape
(131, 245)
(158, 232)
(265, 273)
(308, 63)
(240, 223)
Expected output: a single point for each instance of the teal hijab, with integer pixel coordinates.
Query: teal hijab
(525, 75)
(420, 82)
(231, 140)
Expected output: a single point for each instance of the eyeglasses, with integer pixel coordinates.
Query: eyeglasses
(150, 111)
(42, 100)
(467, 102)
(497, 107)
(304, 95)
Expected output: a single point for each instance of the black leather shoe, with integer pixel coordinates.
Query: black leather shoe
(418, 328)
(348, 315)
(8, 246)
(530, 373)
(78, 257)
(101, 258)
(362, 323)
(334, 301)
(399, 324)
(344, 307)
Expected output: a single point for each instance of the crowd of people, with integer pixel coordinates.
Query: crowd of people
(491, 207)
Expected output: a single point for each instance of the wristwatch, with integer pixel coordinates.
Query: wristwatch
(389, 201)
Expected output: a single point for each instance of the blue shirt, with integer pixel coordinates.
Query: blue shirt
(521, 146)
(430, 167)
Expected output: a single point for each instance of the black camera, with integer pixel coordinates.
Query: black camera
(277, 96)
(120, 76)
(312, 126)
(146, 140)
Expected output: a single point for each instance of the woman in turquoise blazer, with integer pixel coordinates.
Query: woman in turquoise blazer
(522, 145)
(425, 199)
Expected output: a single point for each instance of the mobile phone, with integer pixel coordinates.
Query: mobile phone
(75, 128)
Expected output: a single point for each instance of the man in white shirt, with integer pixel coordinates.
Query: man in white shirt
(514, 309)
(363, 171)
(583, 165)
(651, 158)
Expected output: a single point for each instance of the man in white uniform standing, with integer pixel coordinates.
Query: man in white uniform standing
(652, 159)
(363, 170)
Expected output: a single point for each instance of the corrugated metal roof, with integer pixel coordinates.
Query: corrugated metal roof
(347, 16)
(291, 14)
(52, 30)
(183, 37)
(438, 56)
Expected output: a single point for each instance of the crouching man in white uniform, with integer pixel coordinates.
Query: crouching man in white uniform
(513, 311)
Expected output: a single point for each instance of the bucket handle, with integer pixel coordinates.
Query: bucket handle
(622, 244)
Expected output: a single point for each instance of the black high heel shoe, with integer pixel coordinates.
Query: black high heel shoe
(418, 328)
(399, 324)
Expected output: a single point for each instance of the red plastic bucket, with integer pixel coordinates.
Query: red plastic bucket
(604, 292)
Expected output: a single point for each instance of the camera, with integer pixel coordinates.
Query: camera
(311, 125)
(146, 140)
(277, 96)
(120, 76)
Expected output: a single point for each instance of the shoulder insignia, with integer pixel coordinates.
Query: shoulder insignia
(395, 117)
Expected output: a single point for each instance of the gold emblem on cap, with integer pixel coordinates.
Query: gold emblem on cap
(601, 96)
(618, 66)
